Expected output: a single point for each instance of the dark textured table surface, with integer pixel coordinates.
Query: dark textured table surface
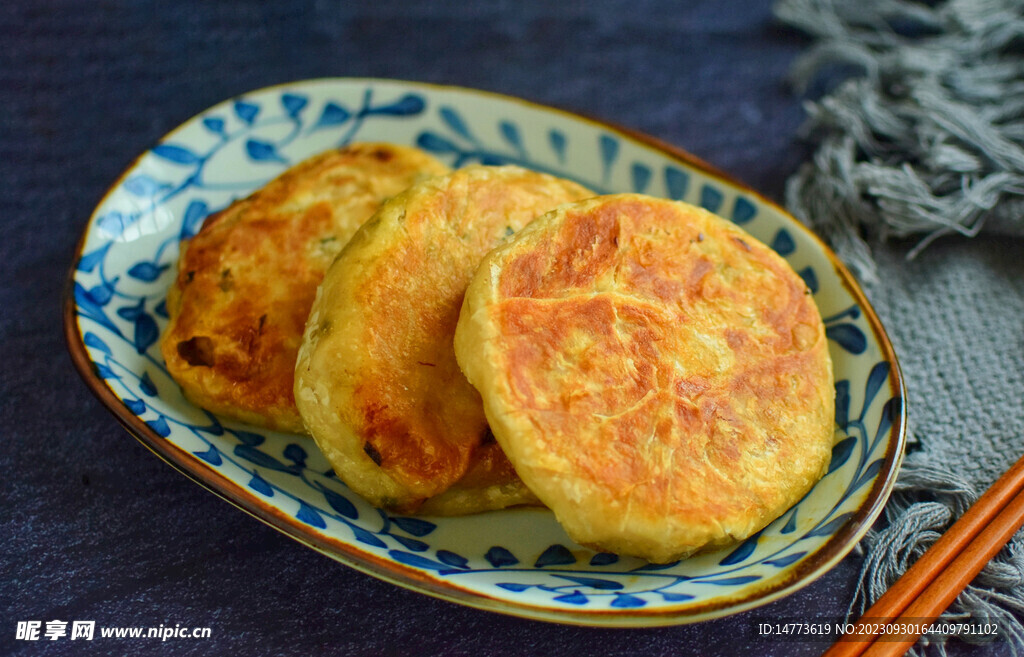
(97, 528)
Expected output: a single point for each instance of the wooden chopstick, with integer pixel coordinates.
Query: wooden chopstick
(934, 581)
(945, 588)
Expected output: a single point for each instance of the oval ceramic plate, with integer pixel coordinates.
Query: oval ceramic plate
(517, 561)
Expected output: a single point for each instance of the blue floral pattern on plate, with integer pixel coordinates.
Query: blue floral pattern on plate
(518, 561)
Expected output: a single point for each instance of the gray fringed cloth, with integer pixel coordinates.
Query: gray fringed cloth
(928, 137)
(923, 136)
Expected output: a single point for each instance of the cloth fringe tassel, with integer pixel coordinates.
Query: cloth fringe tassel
(923, 134)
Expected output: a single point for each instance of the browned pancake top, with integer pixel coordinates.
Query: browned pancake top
(658, 378)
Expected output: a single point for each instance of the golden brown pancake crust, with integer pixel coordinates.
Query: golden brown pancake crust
(246, 281)
(377, 382)
(658, 377)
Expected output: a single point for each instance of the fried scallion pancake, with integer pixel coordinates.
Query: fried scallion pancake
(376, 380)
(246, 281)
(658, 377)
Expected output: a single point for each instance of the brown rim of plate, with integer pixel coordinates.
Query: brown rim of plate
(806, 571)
